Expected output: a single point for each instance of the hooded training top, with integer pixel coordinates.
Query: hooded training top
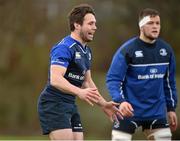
(70, 54)
(143, 74)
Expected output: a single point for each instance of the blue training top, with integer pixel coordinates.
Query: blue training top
(71, 54)
(143, 74)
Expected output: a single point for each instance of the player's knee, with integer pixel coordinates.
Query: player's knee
(120, 136)
(161, 134)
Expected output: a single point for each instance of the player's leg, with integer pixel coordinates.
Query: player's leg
(121, 136)
(55, 116)
(158, 134)
(76, 125)
(75, 132)
(61, 134)
(78, 136)
(157, 129)
(123, 130)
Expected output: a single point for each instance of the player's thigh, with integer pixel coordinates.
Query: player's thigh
(121, 136)
(61, 134)
(78, 136)
(158, 134)
(76, 124)
(76, 120)
(54, 114)
(125, 125)
(123, 130)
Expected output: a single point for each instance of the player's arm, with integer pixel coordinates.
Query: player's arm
(61, 55)
(170, 85)
(89, 83)
(173, 122)
(171, 93)
(108, 107)
(57, 80)
(115, 80)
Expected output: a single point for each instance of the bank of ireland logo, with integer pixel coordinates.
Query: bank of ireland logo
(139, 53)
(163, 52)
(78, 55)
(153, 70)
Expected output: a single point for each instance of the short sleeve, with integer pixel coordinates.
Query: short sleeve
(60, 55)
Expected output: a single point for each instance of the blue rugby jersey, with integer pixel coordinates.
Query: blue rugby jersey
(144, 75)
(77, 59)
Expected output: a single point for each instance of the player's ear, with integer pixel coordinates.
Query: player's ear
(141, 29)
(76, 25)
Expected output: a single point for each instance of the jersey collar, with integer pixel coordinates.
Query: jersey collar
(83, 48)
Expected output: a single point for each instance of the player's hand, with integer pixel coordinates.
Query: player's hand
(126, 109)
(112, 111)
(90, 95)
(173, 123)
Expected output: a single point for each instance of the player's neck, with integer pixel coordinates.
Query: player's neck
(78, 38)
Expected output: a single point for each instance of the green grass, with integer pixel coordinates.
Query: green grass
(2, 137)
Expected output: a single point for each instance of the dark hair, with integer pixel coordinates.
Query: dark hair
(148, 12)
(77, 14)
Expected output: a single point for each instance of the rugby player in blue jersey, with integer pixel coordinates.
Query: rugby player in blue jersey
(142, 79)
(70, 77)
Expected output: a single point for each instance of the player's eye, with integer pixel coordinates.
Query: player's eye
(158, 23)
(151, 22)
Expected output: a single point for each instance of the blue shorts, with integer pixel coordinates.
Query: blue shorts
(129, 126)
(56, 114)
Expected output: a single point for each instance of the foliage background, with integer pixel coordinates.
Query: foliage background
(28, 30)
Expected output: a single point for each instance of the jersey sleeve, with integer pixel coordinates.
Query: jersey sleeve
(60, 55)
(115, 76)
(170, 85)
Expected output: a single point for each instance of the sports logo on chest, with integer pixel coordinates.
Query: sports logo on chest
(139, 53)
(163, 52)
(90, 56)
(78, 55)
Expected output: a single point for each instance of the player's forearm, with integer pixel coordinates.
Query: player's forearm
(88, 84)
(101, 102)
(63, 85)
(91, 84)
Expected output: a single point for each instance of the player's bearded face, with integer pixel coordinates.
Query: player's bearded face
(88, 28)
(151, 29)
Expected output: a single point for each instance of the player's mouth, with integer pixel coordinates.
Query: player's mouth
(91, 34)
(155, 31)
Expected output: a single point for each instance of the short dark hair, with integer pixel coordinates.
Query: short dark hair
(77, 14)
(148, 12)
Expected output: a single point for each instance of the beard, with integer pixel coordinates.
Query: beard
(84, 37)
(150, 37)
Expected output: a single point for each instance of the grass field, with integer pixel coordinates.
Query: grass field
(23, 137)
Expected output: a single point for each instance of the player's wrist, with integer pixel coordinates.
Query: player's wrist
(77, 91)
(102, 103)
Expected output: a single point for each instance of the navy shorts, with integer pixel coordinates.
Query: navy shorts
(56, 114)
(129, 126)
